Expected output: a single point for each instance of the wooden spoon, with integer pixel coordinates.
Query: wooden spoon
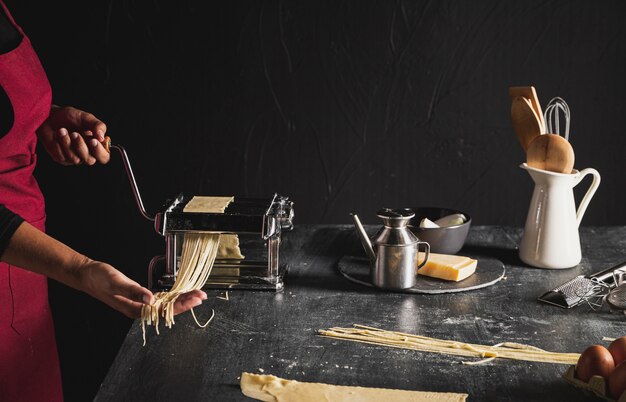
(525, 121)
(551, 152)
(530, 94)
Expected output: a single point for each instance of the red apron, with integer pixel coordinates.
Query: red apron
(29, 365)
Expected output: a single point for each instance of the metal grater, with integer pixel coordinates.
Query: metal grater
(574, 292)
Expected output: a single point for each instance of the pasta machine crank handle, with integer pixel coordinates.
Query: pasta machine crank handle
(106, 143)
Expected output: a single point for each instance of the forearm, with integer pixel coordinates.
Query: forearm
(35, 251)
(9, 222)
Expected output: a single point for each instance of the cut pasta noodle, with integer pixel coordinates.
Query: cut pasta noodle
(206, 323)
(506, 350)
(197, 257)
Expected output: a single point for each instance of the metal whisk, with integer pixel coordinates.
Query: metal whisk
(552, 118)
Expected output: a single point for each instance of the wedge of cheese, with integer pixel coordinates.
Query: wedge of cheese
(448, 267)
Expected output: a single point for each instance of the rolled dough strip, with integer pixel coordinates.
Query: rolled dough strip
(274, 389)
(507, 350)
(203, 204)
(229, 247)
(229, 243)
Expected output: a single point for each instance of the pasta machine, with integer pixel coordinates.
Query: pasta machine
(257, 222)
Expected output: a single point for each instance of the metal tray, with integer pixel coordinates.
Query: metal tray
(488, 272)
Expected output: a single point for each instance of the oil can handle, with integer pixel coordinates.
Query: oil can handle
(426, 255)
(106, 143)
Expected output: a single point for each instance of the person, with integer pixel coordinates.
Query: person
(29, 366)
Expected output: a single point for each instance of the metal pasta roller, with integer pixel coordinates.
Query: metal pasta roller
(257, 222)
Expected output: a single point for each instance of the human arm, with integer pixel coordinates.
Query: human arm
(35, 251)
(9, 222)
(72, 136)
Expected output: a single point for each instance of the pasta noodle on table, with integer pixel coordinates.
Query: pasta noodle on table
(506, 350)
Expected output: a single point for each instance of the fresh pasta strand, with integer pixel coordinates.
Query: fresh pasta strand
(506, 350)
(206, 323)
(198, 255)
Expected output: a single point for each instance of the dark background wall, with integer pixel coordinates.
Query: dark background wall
(343, 106)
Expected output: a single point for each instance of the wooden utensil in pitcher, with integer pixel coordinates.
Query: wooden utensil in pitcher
(531, 94)
(551, 152)
(526, 123)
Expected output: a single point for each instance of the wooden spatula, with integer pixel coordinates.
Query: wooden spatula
(551, 152)
(531, 94)
(526, 123)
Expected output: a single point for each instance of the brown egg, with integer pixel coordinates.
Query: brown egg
(617, 381)
(595, 360)
(618, 350)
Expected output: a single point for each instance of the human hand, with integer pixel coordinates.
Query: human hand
(115, 289)
(72, 137)
(37, 252)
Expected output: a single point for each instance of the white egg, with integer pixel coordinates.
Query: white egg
(428, 224)
(451, 220)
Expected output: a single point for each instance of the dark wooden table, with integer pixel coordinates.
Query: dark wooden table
(275, 333)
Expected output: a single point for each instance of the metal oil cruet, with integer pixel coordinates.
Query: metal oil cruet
(394, 250)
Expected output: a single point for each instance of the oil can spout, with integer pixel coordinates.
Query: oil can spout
(367, 245)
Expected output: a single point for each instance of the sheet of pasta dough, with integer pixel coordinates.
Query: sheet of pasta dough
(229, 243)
(229, 247)
(274, 389)
(215, 205)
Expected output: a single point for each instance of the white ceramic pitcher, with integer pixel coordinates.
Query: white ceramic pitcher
(551, 232)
